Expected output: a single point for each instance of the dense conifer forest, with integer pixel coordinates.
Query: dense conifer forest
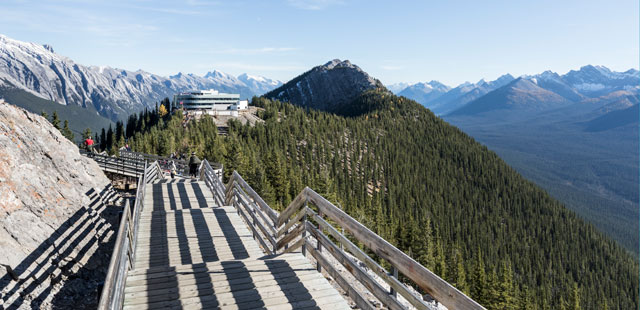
(420, 183)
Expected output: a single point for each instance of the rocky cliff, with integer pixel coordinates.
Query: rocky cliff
(51, 212)
(328, 87)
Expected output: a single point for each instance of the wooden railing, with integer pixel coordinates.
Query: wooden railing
(124, 251)
(305, 224)
(124, 166)
(182, 166)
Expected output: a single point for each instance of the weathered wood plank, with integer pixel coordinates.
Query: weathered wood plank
(291, 235)
(219, 274)
(290, 258)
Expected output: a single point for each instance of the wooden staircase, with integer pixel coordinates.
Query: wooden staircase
(194, 254)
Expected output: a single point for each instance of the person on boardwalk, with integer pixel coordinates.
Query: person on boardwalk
(88, 143)
(194, 162)
(173, 169)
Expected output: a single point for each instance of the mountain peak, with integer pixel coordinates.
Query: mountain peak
(337, 63)
(216, 74)
(505, 77)
(326, 88)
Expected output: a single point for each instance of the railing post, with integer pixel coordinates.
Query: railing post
(286, 246)
(304, 230)
(255, 216)
(394, 273)
(318, 245)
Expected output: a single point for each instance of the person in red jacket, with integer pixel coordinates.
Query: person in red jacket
(89, 144)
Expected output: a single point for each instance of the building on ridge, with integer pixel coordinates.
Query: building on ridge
(209, 102)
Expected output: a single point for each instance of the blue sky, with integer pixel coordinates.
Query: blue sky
(395, 41)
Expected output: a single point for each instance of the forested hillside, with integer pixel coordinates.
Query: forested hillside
(426, 187)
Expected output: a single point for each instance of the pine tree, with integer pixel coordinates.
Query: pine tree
(506, 289)
(86, 134)
(44, 114)
(461, 276)
(66, 131)
(493, 290)
(103, 140)
(110, 138)
(233, 160)
(425, 251)
(574, 302)
(562, 305)
(55, 121)
(604, 305)
(479, 282)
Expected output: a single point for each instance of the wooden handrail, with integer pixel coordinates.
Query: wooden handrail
(123, 256)
(291, 226)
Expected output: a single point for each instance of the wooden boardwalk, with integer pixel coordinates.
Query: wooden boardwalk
(193, 254)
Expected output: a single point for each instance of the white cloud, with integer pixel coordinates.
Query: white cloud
(314, 5)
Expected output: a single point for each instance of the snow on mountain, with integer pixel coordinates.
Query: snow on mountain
(113, 92)
(587, 82)
(398, 87)
(425, 93)
(595, 81)
(259, 84)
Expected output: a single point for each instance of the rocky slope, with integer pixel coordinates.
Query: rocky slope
(329, 87)
(112, 92)
(52, 219)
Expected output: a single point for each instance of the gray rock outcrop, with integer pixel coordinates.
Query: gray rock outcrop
(328, 87)
(52, 212)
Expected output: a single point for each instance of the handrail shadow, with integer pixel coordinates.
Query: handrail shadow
(91, 227)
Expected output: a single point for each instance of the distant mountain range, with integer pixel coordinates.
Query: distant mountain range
(588, 82)
(113, 93)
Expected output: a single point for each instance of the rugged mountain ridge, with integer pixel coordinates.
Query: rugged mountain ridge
(576, 85)
(329, 87)
(425, 92)
(113, 92)
(520, 94)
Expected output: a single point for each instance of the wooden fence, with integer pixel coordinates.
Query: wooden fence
(123, 257)
(307, 217)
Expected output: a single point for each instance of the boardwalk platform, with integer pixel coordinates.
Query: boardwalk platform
(193, 254)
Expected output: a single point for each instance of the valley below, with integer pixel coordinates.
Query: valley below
(592, 173)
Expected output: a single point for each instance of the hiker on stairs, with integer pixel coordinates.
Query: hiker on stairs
(194, 162)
